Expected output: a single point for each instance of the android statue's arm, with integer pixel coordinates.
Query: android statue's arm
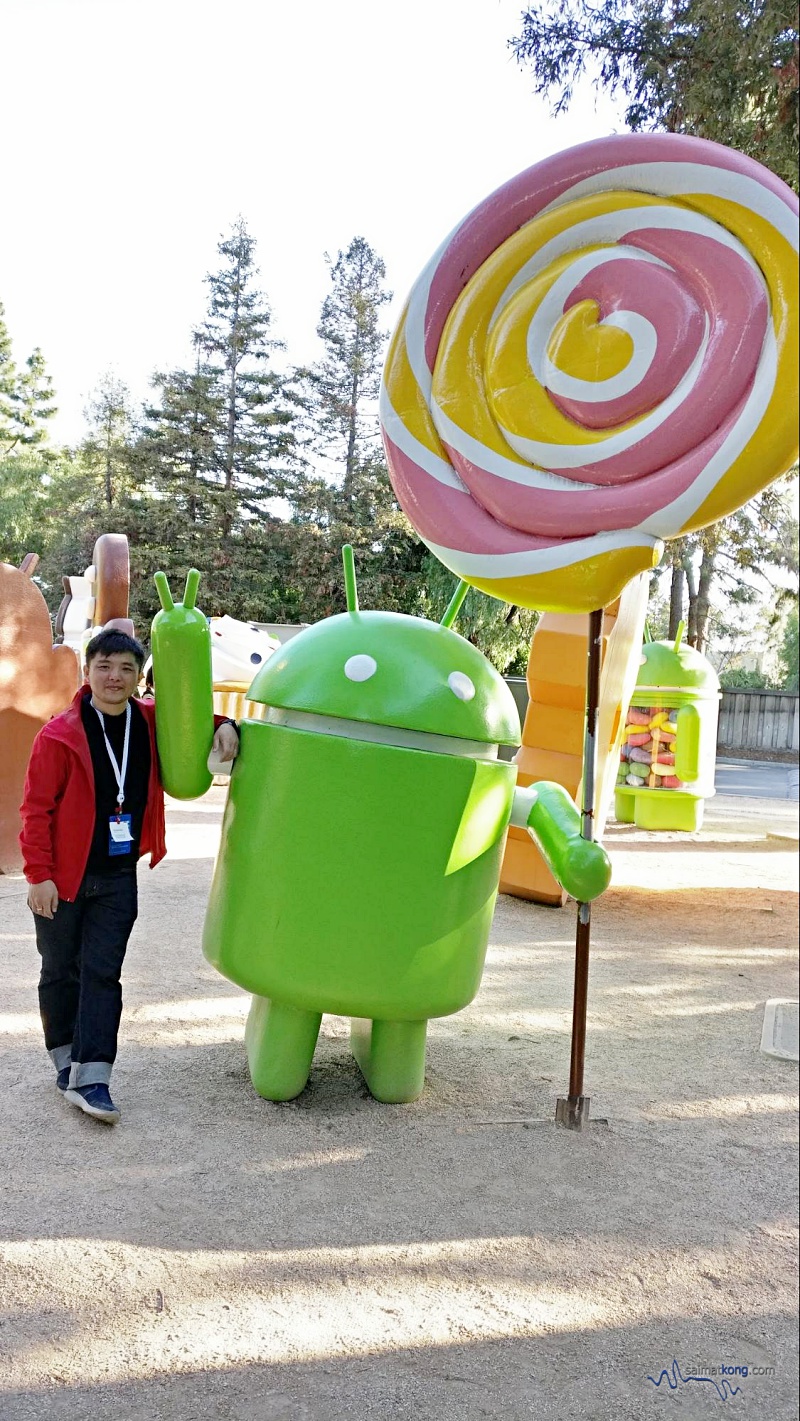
(550, 817)
(687, 744)
(181, 647)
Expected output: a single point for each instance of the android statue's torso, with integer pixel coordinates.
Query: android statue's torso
(356, 877)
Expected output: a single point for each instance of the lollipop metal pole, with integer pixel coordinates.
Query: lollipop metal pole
(573, 1110)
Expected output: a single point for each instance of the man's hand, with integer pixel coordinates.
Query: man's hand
(43, 898)
(226, 742)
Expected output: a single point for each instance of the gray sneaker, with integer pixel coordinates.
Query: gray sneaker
(93, 1100)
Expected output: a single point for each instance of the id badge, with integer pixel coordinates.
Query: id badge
(120, 837)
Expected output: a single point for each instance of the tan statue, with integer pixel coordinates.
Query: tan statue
(37, 681)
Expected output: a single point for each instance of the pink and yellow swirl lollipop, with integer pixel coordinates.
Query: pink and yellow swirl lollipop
(602, 355)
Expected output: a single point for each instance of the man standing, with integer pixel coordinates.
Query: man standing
(93, 804)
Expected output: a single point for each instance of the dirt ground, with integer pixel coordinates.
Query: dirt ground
(219, 1256)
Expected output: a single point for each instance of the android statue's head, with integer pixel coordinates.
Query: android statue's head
(392, 678)
(675, 666)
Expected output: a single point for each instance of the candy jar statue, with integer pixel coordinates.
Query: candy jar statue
(669, 746)
(363, 836)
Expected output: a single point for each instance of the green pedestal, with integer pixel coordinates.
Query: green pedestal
(624, 808)
(659, 809)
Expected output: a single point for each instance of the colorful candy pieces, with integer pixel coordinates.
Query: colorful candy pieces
(647, 758)
(642, 753)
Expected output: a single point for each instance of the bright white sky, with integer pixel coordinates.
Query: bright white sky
(136, 132)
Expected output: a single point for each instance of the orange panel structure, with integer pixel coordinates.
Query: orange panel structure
(37, 680)
(553, 733)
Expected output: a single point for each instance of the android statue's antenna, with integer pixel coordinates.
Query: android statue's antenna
(454, 606)
(160, 579)
(679, 637)
(350, 588)
(192, 584)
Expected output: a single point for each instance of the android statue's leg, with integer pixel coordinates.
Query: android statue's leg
(280, 1041)
(391, 1057)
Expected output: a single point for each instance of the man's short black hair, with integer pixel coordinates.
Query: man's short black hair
(112, 643)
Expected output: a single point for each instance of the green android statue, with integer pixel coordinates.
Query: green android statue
(669, 745)
(363, 837)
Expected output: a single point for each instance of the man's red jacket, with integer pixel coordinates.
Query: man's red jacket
(59, 806)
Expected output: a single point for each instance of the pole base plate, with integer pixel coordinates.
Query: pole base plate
(572, 1112)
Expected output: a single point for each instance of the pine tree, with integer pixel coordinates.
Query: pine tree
(720, 69)
(252, 437)
(177, 450)
(349, 499)
(217, 444)
(106, 449)
(345, 383)
(26, 397)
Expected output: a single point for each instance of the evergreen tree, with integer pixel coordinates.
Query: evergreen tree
(345, 383)
(106, 449)
(348, 498)
(721, 69)
(218, 444)
(26, 398)
(246, 404)
(178, 446)
(24, 476)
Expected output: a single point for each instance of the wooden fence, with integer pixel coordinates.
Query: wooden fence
(748, 720)
(759, 720)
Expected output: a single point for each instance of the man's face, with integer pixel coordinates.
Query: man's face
(113, 678)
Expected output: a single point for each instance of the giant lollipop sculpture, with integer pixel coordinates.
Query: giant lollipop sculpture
(601, 356)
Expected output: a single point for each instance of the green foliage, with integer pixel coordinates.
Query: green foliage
(731, 565)
(658, 612)
(23, 500)
(344, 384)
(105, 452)
(26, 398)
(725, 70)
(789, 655)
(735, 678)
(342, 494)
(217, 446)
(500, 630)
(248, 420)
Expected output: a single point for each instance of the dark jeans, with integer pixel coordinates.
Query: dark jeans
(82, 948)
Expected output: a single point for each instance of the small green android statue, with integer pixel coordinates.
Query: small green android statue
(669, 746)
(363, 836)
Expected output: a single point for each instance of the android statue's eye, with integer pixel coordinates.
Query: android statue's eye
(461, 685)
(360, 668)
